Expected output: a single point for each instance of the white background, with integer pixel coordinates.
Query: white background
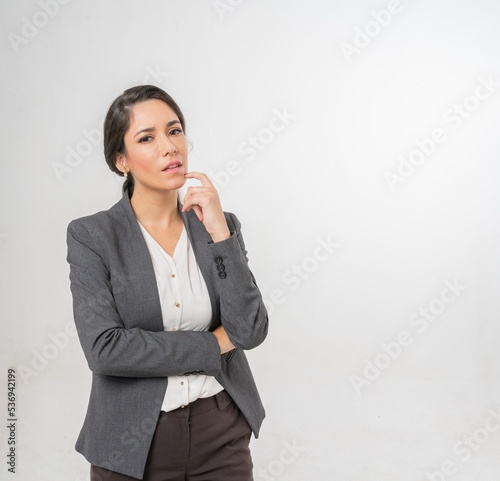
(359, 96)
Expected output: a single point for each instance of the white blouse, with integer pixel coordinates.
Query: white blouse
(185, 305)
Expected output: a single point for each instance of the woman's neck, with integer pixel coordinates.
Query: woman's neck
(156, 209)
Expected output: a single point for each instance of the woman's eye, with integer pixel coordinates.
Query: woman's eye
(175, 132)
(146, 138)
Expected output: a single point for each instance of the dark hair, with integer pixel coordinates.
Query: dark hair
(117, 122)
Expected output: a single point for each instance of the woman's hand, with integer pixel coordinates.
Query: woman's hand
(204, 200)
(222, 338)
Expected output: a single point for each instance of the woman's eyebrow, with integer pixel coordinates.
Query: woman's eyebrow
(147, 129)
(152, 129)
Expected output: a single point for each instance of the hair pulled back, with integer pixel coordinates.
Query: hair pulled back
(117, 123)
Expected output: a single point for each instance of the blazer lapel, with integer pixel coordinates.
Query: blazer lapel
(141, 265)
(200, 240)
(140, 296)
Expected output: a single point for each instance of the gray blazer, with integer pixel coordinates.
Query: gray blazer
(119, 322)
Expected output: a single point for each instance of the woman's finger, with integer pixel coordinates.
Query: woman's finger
(203, 178)
(198, 212)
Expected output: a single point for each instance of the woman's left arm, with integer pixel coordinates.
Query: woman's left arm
(243, 313)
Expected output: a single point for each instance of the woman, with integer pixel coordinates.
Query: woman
(164, 304)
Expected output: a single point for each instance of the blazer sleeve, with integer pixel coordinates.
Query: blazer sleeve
(110, 348)
(243, 313)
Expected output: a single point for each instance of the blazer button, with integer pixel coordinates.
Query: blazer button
(218, 259)
(221, 267)
(222, 275)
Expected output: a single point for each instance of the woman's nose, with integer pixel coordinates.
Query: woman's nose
(167, 146)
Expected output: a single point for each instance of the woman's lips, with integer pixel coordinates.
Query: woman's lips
(173, 167)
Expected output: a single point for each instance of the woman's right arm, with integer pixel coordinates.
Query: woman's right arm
(112, 350)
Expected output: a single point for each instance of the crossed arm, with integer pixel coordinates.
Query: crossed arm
(112, 349)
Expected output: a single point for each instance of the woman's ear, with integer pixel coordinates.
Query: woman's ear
(121, 163)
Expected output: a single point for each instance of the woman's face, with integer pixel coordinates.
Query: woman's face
(155, 147)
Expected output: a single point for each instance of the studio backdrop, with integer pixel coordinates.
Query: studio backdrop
(357, 142)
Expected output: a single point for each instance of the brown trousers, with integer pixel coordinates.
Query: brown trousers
(208, 440)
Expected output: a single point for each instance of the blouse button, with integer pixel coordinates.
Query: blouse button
(177, 304)
(172, 275)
